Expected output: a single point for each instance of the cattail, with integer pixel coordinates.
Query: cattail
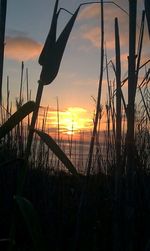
(50, 60)
(3, 8)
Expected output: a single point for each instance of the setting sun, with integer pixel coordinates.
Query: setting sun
(71, 121)
(75, 119)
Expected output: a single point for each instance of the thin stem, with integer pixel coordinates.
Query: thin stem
(118, 94)
(131, 76)
(21, 82)
(107, 2)
(23, 170)
(33, 121)
(65, 11)
(99, 94)
(3, 8)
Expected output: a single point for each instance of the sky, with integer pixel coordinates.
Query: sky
(75, 87)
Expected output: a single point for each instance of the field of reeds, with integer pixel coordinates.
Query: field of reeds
(52, 201)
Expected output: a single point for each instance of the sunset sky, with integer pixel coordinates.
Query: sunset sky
(27, 26)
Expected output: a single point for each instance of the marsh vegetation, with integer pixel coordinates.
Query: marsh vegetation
(50, 200)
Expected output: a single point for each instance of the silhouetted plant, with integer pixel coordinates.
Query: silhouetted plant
(3, 7)
(147, 10)
(50, 60)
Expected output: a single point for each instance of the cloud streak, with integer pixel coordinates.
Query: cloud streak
(92, 33)
(89, 12)
(22, 48)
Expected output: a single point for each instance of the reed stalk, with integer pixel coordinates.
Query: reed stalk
(116, 231)
(130, 140)
(140, 44)
(108, 141)
(27, 84)
(27, 93)
(8, 95)
(33, 121)
(58, 121)
(3, 9)
(118, 96)
(94, 132)
(21, 83)
(98, 106)
(147, 10)
(8, 109)
(110, 96)
(131, 84)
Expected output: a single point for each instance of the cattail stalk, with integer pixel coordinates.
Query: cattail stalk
(3, 8)
(110, 96)
(117, 141)
(131, 120)
(27, 84)
(27, 92)
(8, 94)
(118, 95)
(131, 82)
(21, 83)
(58, 121)
(98, 106)
(140, 44)
(147, 10)
(33, 121)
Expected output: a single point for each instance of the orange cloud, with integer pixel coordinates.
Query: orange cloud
(22, 48)
(111, 11)
(91, 11)
(92, 35)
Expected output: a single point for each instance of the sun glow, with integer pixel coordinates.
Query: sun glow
(71, 121)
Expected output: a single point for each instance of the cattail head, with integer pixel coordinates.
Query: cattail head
(53, 49)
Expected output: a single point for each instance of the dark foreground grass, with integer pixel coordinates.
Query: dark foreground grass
(56, 198)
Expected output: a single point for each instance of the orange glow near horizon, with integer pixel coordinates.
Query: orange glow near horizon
(71, 121)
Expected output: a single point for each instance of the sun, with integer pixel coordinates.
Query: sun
(74, 120)
(71, 121)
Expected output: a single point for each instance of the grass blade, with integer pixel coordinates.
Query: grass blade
(57, 151)
(19, 115)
